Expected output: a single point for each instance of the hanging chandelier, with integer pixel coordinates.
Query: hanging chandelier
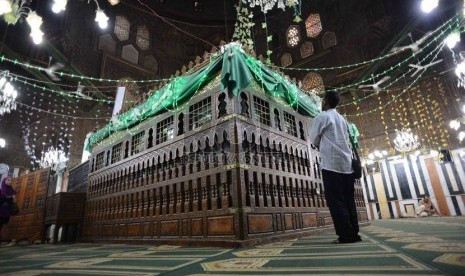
(405, 141)
(54, 159)
(8, 95)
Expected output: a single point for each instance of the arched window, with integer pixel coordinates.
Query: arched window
(293, 36)
(143, 38)
(313, 25)
(306, 49)
(313, 82)
(286, 59)
(329, 40)
(122, 27)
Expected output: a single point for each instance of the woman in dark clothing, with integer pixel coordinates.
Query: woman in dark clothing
(7, 197)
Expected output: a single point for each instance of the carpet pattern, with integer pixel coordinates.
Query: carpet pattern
(426, 246)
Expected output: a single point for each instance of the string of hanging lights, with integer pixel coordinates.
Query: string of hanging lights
(13, 11)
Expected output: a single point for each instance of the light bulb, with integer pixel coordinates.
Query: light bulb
(2, 82)
(2, 143)
(429, 5)
(5, 7)
(452, 40)
(34, 20)
(59, 5)
(101, 18)
(114, 2)
(461, 136)
(37, 36)
(460, 69)
(454, 124)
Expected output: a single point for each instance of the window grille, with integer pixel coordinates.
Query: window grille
(286, 59)
(107, 43)
(99, 161)
(313, 25)
(130, 54)
(143, 38)
(116, 153)
(137, 143)
(329, 40)
(165, 130)
(122, 27)
(200, 113)
(313, 82)
(306, 49)
(262, 111)
(289, 121)
(293, 36)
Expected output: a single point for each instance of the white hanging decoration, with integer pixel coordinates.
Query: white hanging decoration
(35, 22)
(267, 5)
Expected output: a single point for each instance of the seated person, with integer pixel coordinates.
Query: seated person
(426, 208)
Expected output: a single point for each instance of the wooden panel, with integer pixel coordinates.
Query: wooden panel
(260, 223)
(147, 229)
(134, 229)
(289, 221)
(220, 225)
(363, 215)
(309, 220)
(90, 231)
(185, 227)
(107, 230)
(437, 188)
(123, 230)
(197, 227)
(279, 222)
(31, 191)
(169, 228)
(155, 229)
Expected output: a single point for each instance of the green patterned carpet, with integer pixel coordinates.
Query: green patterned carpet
(426, 246)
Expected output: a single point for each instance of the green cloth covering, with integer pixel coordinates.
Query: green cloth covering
(237, 72)
(353, 131)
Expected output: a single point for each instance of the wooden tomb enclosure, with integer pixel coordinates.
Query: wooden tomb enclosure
(221, 170)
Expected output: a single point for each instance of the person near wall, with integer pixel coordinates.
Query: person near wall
(426, 208)
(7, 201)
(329, 133)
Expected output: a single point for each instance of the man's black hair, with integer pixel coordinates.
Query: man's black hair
(332, 98)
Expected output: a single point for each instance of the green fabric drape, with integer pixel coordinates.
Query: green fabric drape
(168, 97)
(353, 132)
(238, 70)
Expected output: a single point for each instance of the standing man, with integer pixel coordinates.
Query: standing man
(330, 135)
